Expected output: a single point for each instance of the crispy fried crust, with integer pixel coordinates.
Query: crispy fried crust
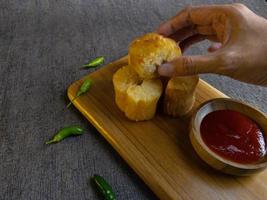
(122, 80)
(136, 98)
(149, 51)
(138, 87)
(180, 95)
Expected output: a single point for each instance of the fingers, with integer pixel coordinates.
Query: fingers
(199, 15)
(189, 65)
(205, 30)
(190, 26)
(181, 20)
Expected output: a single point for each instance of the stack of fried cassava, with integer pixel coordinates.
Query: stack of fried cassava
(138, 86)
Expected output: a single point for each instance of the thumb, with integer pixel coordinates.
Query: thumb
(189, 65)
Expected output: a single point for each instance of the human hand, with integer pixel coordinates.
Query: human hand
(241, 51)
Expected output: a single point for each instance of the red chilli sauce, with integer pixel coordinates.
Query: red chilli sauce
(233, 136)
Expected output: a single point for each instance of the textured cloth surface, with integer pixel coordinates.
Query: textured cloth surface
(42, 46)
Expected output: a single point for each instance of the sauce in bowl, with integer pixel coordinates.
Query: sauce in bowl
(233, 136)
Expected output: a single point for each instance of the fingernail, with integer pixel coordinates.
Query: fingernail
(166, 69)
(214, 47)
(162, 29)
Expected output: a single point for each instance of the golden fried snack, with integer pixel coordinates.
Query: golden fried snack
(180, 95)
(149, 51)
(136, 98)
(122, 80)
(138, 87)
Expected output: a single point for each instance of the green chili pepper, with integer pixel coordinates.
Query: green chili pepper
(104, 188)
(83, 89)
(94, 63)
(66, 132)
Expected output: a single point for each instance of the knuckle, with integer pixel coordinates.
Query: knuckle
(238, 8)
(187, 8)
(226, 62)
(187, 11)
(239, 5)
(223, 59)
(188, 65)
(172, 27)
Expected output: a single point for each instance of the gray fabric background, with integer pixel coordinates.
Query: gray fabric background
(42, 45)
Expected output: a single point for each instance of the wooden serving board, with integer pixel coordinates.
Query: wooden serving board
(159, 150)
